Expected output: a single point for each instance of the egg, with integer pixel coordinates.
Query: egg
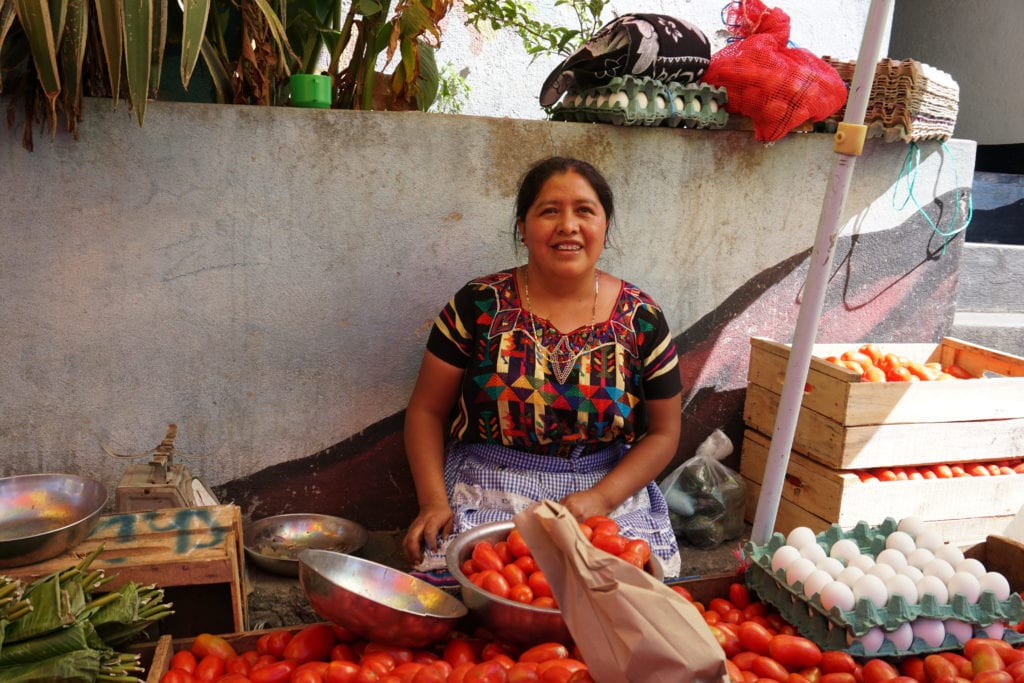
(830, 565)
(902, 637)
(844, 549)
(849, 575)
(893, 557)
(901, 541)
(800, 536)
(815, 581)
(679, 105)
(965, 584)
(837, 594)
(862, 562)
(950, 553)
(882, 571)
(660, 102)
(911, 526)
(961, 630)
(870, 641)
(871, 588)
(813, 552)
(712, 106)
(601, 101)
(919, 557)
(898, 584)
(618, 100)
(934, 586)
(798, 570)
(971, 566)
(641, 100)
(928, 539)
(911, 571)
(931, 631)
(784, 556)
(997, 583)
(993, 630)
(937, 567)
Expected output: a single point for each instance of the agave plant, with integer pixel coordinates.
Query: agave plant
(54, 52)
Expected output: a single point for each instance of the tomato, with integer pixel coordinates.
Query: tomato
(811, 673)
(735, 673)
(343, 634)
(184, 660)
(721, 605)
(610, 543)
(340, 671)
(458, 674)
(754, 637)
(632, 558)
(877, 670)
(538, 583)
(559, 670)
(209, 668)
(277, 672)
(513, 574)
(237, 665)
(399, 654)
(595, 521)
(429, 674)
(984, 657)
(485, 557)
(313, 642)
(581, 676)
(992, 677)
(837, 677)
(521, 593)
(177, 676)
(517, 544)
(963, 666)
(794, 652)
(835, 662)
(486, 672)
(306, 676)
(912, 667)
(208, 644)
(957, 371)
(527, 563)
(234, 678)
(972, 645)
(273, 643)
(523, 672)
(344, 652)
(544, 651)
(796, 678)
(459, 650)
(766, 667)
(739, 595)
(937, 666)
(727, 640)
(493, 581)
(381, 662)
(501, 547)
(745, 659)
(685, 592)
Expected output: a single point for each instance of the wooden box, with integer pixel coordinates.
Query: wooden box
(846, 423)
(195, 554)
(1003, 555)
(156, 656)
(962, 510)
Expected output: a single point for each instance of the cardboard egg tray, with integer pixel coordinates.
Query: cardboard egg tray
(629, 101)
(833, 629)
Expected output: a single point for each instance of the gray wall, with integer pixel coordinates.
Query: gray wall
(266, 277)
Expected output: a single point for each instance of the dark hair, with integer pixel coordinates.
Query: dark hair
(533, 181)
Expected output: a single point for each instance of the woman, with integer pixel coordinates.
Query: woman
(552, 380)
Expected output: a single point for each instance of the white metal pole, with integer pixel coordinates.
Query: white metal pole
(816, 284)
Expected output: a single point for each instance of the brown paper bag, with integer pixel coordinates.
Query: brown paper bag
(629, 626)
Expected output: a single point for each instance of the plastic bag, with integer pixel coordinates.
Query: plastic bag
(706, 499)
(777, 86)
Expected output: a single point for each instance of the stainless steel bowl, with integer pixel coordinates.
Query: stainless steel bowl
(44, 515)
(508, 619)
(376, 601)
(274, 543)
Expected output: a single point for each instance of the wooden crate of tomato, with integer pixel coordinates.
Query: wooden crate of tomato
(944, 422)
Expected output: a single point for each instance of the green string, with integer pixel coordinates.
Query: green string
(908, 173)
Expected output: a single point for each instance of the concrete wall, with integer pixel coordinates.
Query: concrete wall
(266, 277)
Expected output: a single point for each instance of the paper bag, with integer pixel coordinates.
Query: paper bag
(629, 626)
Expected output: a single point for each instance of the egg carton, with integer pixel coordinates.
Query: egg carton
(865, 615)
(629, 101)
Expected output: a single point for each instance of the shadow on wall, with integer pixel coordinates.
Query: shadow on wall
(888, 286)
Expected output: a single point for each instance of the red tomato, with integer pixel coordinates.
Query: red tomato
(595, 521)
(766, 667)
(837, 677)
(277, 672)
(341, 672)
(559, 670)
(544, 651)
(234, 678)
(237, 665)
(177, 676)
(744, 660)
(796, 678)
(912, 667)
(459, 650)
(527, 564)
(754, 637)
(485, 557)
(641, 547)
(184, 660)
(685, 592)
(209, 668)
(209, 644)
(545, 602)
(516, 544)
(588, 533)
(984, 657)
(794, 652)
(344, 652)
(430, 674)
(486, 672)
(523, 672)
(494, 649)
(521, 593)
(877, 670)
(992, 677)
(727, 640)
(306, 676)
(963, 666)
(501, 547)
(382, 662)
(632, 558)
(581, 676)
(273, 643)
(513, 574)
(313, 642)
(343, 634)
(610, 543)
(538, 583)
(399, 654)
(493, 581)
(835, 662)
(458, 674)
(739, 595)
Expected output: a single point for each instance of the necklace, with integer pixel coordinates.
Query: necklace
(562, 358)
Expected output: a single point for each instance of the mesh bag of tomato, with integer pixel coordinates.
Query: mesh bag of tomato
(779, 87)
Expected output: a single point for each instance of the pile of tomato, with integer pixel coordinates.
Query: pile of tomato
(944, 471)
(874, 365)
(507, 568)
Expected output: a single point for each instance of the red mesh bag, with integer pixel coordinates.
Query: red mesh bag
(778, 86)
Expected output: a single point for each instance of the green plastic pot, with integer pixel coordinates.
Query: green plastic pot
(310, 90)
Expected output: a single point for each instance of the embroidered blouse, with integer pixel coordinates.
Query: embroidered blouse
(509, 393)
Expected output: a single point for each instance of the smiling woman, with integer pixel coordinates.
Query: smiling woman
(553, 380)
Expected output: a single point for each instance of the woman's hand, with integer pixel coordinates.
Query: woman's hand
(584, 504)
(433, 523)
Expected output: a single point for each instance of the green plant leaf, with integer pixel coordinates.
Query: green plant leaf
(58, 13)
(280, 37)
(159, 43)
(193, 29)
(72, 53)
(218, 74)
(138, 45)
(34, 16)
(7, 15)
(108, 17)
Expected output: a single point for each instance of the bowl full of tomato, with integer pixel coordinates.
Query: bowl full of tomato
(375, 601)
(502, 586)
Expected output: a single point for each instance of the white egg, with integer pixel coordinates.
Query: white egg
(601, 101)
(784, 556)
(882, 571)
(938, 567)
(961, 630)
(660, 102)
(919, 557)
(713, 106)
(934, 586)
(911, 525)
(696, 105)
(800, 536)
(815, 581)
(971, 566)
(871, 588)
(899, 584)
(911, 571)
(618, 100)
(837, 594)
(902, 541)
(870, 641)
(844, 549)
(892, 557)
(928, 539)
(813, 552)
(641, 100)
(993, 630)
(830, 565)
(798, 570)
(862, 562)
(950, 553)
(997, 583)
(965, 584)
(849, 575)
(931, 631)
(902, 637)
(678, 103)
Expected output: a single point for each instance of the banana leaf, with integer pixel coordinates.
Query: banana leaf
(81, 666)
(51, 610)
(138, 41)
(193, 30)
(79, 636)
(37, 24)
(72, 54)
(108, 15)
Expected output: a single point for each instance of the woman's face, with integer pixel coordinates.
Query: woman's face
(565, 227)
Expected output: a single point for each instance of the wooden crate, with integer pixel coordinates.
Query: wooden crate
(817, 496)
(1003, 555)
(194, 554)
(846, 423)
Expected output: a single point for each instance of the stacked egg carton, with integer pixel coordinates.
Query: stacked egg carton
(908, 101)
(629, 101)
(851, 591)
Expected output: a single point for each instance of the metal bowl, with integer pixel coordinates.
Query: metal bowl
(45, 515)
(508, 619)
(274, 543)
(375, 601)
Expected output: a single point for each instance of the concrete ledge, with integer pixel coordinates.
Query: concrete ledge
(1002, 331)
(991, 278)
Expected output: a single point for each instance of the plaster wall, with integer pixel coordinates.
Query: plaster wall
(266, 277)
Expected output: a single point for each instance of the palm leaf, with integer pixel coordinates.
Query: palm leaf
(35, 19)
(159, 42)
(138, 44)
(72, 52)
(108, 14)
(280, 37)
(218, 74)
(193, 29)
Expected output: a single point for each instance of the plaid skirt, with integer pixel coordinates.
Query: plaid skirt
(491, 483)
